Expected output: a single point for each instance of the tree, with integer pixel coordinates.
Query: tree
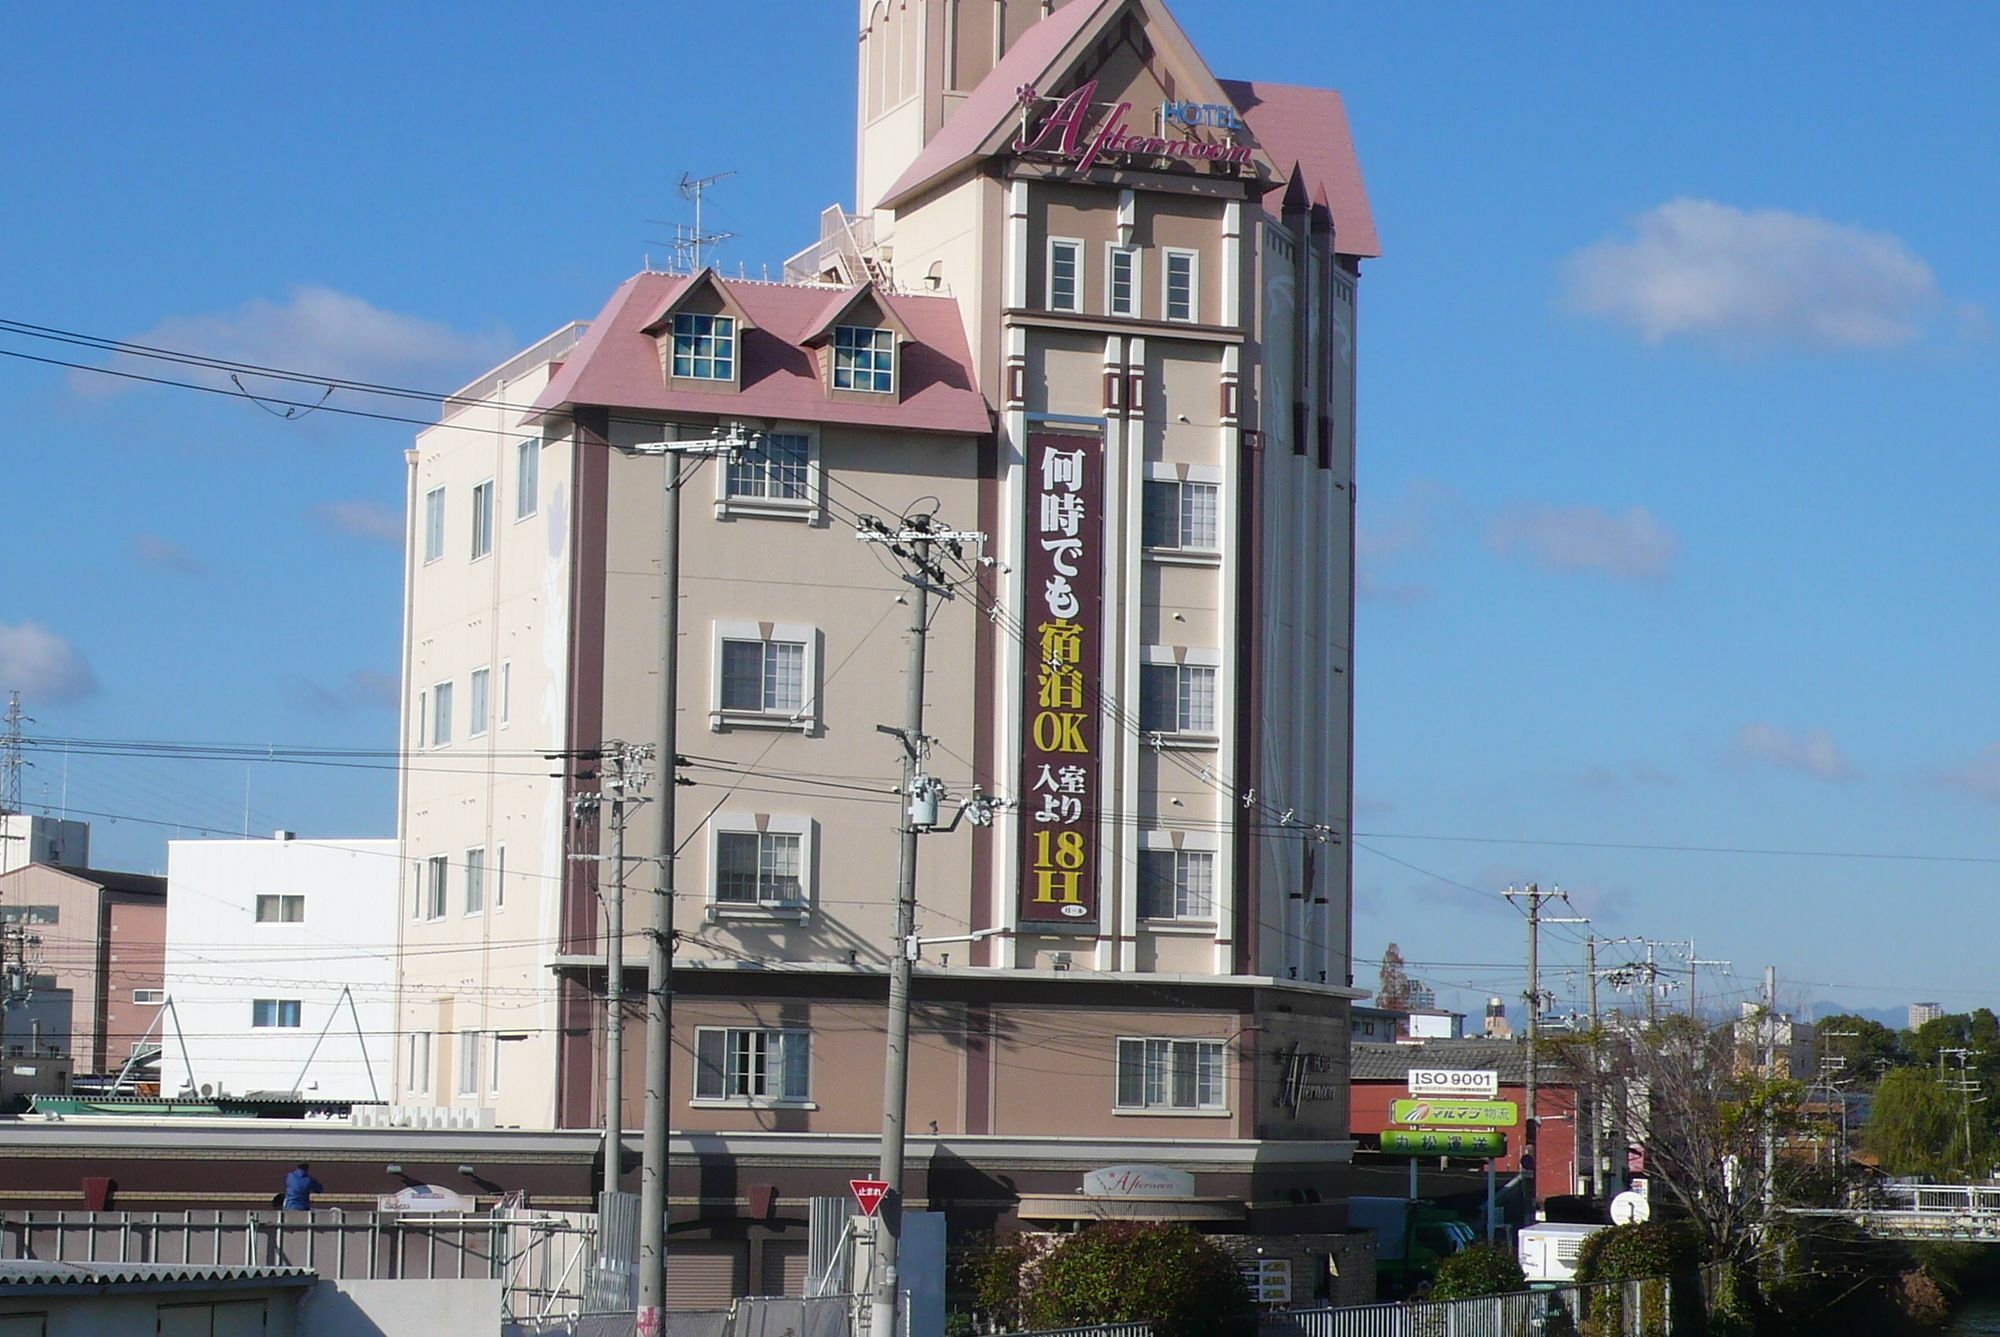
(1478, 1269)
(1393, 991)
(1180, 1282)
(1916, 1125)
(1860, 1049)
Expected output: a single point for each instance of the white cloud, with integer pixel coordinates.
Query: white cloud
(42, 666)
(363, 520)
(1808, 751)
(363, 689)
(1632, 546)
(165, 554)
(1979, 777)
(1701, 270)
(316, 330)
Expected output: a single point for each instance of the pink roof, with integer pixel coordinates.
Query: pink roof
(617, 365)
(1308, 126)
(993, 101)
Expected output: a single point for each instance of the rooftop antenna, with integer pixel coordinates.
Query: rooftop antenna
(689, 242)
(10, 754)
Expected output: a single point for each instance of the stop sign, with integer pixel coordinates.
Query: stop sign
(869, 1193)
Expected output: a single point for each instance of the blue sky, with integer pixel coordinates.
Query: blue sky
(1677, 449)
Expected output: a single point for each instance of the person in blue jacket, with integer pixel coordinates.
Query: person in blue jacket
(300, 1187)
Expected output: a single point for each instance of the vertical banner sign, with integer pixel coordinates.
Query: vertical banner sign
(1063, 556)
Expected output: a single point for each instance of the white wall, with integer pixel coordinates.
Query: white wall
(26, 838)
(403, 1308)
(220, 960)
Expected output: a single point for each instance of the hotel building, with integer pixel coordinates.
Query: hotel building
(1098, 306)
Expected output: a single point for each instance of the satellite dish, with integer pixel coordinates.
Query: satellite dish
(1629, 1209)
(207, 1090)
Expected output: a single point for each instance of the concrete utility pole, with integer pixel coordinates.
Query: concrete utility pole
(624, 761)
(1596, 1075)
(913, 543)
(1695, 962)
(1770, 1071)
(651, 1317)
(1530, 1125)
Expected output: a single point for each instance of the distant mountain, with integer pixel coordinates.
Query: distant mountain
(1895, 1018)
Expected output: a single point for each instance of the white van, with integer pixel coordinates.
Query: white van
(1548, 1251)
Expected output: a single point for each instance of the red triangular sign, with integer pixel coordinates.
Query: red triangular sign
(869, 1193)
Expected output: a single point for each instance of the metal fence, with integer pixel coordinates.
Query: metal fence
(750, 1316)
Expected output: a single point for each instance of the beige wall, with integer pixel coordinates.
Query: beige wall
(131, 928)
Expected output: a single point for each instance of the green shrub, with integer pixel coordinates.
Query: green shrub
(1480, 1269)
(1168, 1276)
(1633, 1253)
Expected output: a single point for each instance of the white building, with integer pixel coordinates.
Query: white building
(279, 951)
(26, 838)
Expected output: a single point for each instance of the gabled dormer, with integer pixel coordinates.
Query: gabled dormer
(700, 333)
(858, 340)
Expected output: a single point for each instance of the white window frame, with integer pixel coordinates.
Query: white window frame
(437, 887)
(423, 717)
(475, 881)
(527, 477)
(876, 334)
(733, 361)
(506, 701)
(257, 906)
(743, 823)
(149, 997)
(1199, 475)
(478, 702)
(482, 520)
(1076, 246)
(1112, 250)
(417, 1063)
(468, 1063)
(278, 1005)
(1166, 1105)
(728, 503)
(493, 1063)
(441, 694)
(806, 718)
(1166, 656)
(499, 875)
(1168, 255)
(732, 1038)
(434, 521)
(1192, 843)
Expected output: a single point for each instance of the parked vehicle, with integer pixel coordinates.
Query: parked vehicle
(1411, 1238)
(1548, 1251)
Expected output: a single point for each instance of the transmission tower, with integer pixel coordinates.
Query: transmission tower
(10, 754)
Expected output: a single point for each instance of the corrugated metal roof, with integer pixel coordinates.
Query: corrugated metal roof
(1392, 1063)
(20, 1272)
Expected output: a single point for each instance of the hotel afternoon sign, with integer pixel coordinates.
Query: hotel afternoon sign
(1065, 133)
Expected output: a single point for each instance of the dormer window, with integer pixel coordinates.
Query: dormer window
(704, 347)
(864, 359)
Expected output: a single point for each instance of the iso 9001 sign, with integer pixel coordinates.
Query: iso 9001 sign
(1482, 1084)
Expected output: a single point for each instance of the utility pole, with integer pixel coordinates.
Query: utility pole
(1770, 1071)
(651, 1316)
(1530, 1125)
(1695, 962)
(624, 760)
(1596, 1074)
(913, 542)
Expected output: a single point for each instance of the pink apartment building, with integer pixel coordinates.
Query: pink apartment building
(1098, 305)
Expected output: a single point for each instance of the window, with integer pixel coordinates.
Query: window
(499, 877)
(1177, 699)
(435, 886)
(506, 691)
(434, 524)
(768, 677)
(282, 1012)
(468, 1063)
(1065, 274)
(148, 997)
(1170, 1074)
(759, 868)
(864, 359)
(281, 908)
(1121, 281)
(1180, 286)
(482, 519)
(417, 1062)
(527, 477)
(705, 347)
(423, 716)
(1177, 884)
(479, 700)
(475, 881)
(776, 467)
(493, 1066)
(1180, 515)
(441, 715)
(751, 1065)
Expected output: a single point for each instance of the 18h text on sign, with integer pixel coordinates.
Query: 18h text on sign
(1063, 561)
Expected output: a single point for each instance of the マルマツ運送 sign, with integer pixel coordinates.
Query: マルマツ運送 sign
(1063, 562)
(1446, 1113)
(1478, 1083)
(1064, 132)
(1442, 1142)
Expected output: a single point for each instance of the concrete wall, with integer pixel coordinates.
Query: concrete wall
(26, 838)
(172, 1313)
(400, 1308)
(220, 960)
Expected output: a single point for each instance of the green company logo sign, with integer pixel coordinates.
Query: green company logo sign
(1456, 1113)
(1440, 1142)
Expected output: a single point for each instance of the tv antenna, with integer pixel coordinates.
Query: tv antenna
(689, 242)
